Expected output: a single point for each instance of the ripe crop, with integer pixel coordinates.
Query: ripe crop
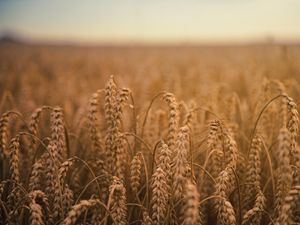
(184, 135)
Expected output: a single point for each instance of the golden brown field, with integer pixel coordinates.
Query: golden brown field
(149, 135)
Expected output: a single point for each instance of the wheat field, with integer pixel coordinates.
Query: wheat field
(149, 135)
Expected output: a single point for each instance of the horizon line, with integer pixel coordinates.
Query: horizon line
(14, 36)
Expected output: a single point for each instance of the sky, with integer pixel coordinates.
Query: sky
(152, 21)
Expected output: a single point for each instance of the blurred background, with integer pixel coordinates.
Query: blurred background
(60, 52)
(148, 22)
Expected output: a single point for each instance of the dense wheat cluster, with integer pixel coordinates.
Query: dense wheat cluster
(185, 135)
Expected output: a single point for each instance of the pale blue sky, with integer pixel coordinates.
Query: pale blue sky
(154, 20)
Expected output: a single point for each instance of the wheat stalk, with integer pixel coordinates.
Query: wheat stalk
(291, 201)
(160, 196)
(180, 170)
(118, 202)
(4, 134)
(284, 177)
(135, 172)
(254, 215)
(190, 210)
(169, 98)
(57, 127)
(77, 210)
